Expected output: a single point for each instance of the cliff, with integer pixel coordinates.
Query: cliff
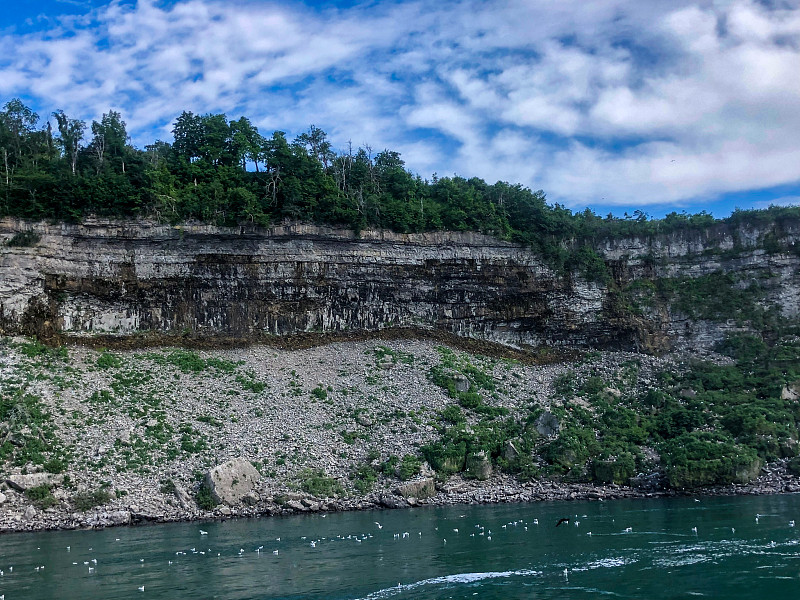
(126, 278)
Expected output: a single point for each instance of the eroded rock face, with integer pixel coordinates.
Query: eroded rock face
(230, 482)
(122, 278)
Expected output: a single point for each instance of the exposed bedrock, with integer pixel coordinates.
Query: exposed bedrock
(126, 278)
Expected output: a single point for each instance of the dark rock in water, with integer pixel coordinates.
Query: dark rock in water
(547, 424)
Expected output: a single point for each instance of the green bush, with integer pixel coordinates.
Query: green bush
(317, 483)
(409, 467)
(41, 495)
(84, 501)
(203, 497)
(23, 239)
(320, 393)
(109, 361)
(702, 458)
(616, 469)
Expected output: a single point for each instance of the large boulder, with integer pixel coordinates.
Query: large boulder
(791, 391)
(32, 480)
(461, 383)
(547, 424)
(231, 481)
(421, 488)
(479, 466)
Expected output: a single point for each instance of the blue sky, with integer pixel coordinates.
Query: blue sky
(618, 105)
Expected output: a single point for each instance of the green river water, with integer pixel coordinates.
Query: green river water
(743, 547)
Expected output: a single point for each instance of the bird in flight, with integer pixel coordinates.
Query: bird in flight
(563, 520)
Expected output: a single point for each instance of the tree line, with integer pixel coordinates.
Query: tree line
(226, 172)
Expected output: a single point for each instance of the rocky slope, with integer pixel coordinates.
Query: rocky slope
(129, 436)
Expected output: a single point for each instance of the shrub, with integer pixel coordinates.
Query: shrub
(109, 361)
(316, 483)
(409, 466)
(320, 393)
(203, 497)
(23, 239)
(41, 495)
(84, 501)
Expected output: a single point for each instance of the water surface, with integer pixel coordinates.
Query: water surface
(626, 548)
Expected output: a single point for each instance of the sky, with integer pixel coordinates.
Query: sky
(618, 105)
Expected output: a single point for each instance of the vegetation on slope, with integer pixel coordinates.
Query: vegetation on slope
(703, 424)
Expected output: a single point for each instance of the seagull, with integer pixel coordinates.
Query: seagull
(628, 529)
(141, 588)
(275, 552)
(694, 530)
(313, 544)
(203, 532)
(563, 520)
(379, 525)
(791, 523)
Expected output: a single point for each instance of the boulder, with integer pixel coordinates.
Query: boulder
(363, 420)
(231, 481)
(31, 480)
(2, 498)
(30, 513)
(511, 450)
(547, 424)
(479, 466)
(461, 383)
(421, 488)
(791, 391)
(185, 501)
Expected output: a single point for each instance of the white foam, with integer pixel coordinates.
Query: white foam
(450, 579)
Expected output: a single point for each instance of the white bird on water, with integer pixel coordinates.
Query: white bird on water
(791, 523)
(694, 530)
(141, 588)
(203, 532)
(379, 525)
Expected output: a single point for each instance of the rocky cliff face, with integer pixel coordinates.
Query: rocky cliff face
(106, 277)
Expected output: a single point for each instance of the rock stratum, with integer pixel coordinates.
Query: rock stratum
(123, 279)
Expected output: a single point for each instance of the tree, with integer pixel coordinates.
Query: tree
(110, 138)
(71, 132)
(17, 130)
(316, 141)
(247, 142)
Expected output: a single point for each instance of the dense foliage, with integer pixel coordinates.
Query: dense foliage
(700, 424)
(225, 172)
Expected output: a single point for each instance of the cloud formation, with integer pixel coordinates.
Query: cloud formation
(608, 102)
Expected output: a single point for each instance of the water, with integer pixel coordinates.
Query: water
(729, 556)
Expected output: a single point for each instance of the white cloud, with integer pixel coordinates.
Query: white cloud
(614, 101)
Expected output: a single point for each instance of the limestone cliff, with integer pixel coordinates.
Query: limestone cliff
(124, 278)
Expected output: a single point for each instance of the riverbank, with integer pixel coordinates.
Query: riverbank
(93, 438)
(457, 491)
